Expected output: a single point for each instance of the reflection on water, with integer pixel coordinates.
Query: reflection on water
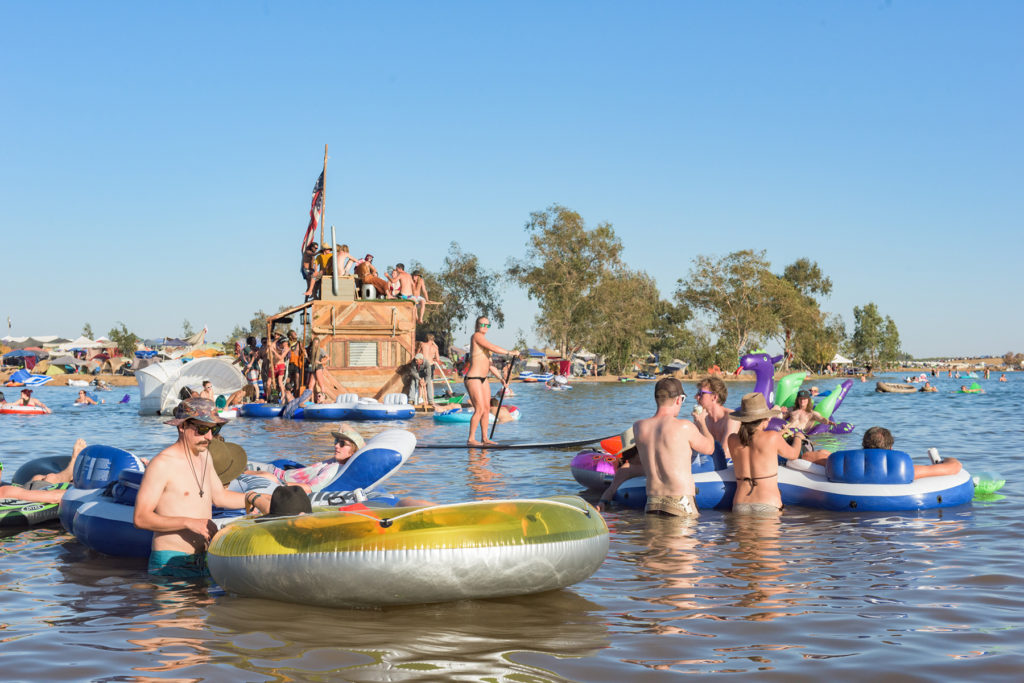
(929, 595)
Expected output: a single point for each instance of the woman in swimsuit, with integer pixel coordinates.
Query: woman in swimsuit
(754, 451)
(477, 386)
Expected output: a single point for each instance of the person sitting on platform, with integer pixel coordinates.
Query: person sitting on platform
(366, 273)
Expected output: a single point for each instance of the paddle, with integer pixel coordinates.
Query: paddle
(501, 398)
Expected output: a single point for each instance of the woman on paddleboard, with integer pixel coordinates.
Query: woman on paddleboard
(477, 386)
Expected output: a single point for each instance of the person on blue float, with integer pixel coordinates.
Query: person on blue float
(178, 491)
(881, 438)
(477, 385)
(41, 488)
(754, 449)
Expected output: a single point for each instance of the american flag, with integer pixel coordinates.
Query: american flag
(315, 211)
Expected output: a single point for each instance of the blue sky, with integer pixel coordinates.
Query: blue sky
(158, 158)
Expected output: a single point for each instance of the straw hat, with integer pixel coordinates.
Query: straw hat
(753, 408)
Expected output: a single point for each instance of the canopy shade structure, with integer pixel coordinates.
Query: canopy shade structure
(841, 360)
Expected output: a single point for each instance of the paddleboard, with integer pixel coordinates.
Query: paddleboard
(515, 446)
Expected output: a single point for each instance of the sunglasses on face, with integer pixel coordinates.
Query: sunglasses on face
(705, 391)
(203, 430)
(485, 324)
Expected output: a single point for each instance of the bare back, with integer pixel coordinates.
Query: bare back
(665, 445)
(757, 467)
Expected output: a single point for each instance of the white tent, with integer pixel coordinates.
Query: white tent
(151, 381)
(82, 342)
(841, 360)
(223, 374)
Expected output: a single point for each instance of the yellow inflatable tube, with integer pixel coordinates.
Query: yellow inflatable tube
(395, 556)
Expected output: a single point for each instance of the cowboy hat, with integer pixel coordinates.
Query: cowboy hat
(753, 408)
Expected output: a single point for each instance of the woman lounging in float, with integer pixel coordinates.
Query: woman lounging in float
(477, 386)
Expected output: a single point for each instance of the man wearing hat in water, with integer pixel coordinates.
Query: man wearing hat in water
(665, 445)
(178, 492)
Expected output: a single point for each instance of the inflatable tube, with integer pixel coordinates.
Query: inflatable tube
(786, 388)
(372, 557)
(828, 405)
(96, 467)
(329, 411)
(394, 407)
(16, 409)
(894, 388)
(465, 414)
(260, 410)
(860, 480)
(50, 464)
(16, 513)
(595, 469)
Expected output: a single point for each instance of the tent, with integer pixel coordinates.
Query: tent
(534, 353)
(82, 342)
(841, 360)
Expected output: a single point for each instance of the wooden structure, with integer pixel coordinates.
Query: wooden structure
(366, 341)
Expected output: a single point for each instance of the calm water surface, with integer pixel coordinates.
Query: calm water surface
(909, 596)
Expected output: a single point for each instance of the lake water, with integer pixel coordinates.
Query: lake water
(912, 596)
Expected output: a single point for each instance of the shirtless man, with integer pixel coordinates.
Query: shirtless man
(880, 437)
(754, 450)
(802, 415)
(477, 386)
(403, 280)
(207, 391)
(178, 492)
(710, 414)
(367, 275)
(27, 400)
(431, 356)
(665, 446)
(419, 295)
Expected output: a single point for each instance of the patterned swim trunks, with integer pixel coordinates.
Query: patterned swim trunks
(678, 506)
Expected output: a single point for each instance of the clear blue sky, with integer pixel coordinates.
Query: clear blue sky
(158, 158)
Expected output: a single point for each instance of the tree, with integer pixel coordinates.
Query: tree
(816, 345)
(798, 311)
(127, 342)
(87, 331)
(186, 329)
(257, 326)
(465, 289)
(737, 296)
(563, 266)
(623, 316)
(875, 339)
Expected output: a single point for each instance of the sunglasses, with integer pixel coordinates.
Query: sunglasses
(203, 430)
(485, 324)
(705, 391)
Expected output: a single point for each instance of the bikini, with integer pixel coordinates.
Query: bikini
(753, 481)
(482, 379)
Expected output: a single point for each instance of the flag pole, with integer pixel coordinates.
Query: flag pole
(323, 198)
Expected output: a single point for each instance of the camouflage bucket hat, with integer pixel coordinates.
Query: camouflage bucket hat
(198, 409)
